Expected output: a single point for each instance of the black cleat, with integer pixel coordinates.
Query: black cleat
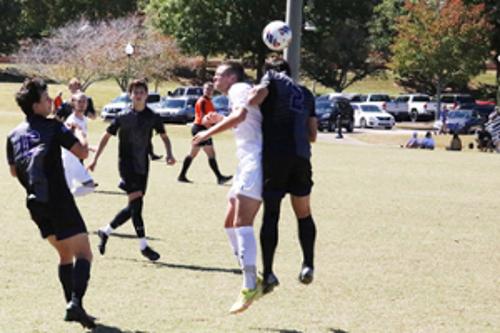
(183, 179)
(224, 179)
(269, 283)
(150, 254)
(155, 157)
(103, 239)
(306, 275)
(77, 313)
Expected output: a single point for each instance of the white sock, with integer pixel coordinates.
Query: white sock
(247, 247)
(233, 241)
(107, 229)
(143, 243)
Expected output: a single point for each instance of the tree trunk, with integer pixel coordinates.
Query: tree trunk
(438, 96)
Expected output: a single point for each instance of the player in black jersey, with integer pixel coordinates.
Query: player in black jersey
(34, 157)
(134, 127)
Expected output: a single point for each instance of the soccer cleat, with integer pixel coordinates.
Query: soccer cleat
(246, 298)
(306, 275)
(155, 157)
(269, 283)
(77, 313)
(103, 239)
(150, 253)
(183, 179)
(224, 179)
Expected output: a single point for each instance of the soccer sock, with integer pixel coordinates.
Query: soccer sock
(136, 210)
(185, 166)
(233, 241)
(66, 279)
(143, 243)
(120, 218)
(248, 255)
(81, 276)
(269, 233)
(215, 168)
(307, 237)
(107, 229)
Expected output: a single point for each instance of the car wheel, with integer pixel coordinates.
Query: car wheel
(388, 127)
(331, 126)
(350, 127)
(414, 115)
(362, 123)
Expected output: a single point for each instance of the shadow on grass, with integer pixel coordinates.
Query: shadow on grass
(110, 192)
(161, 264)
(279, 330)
(337, 330)
(100, 328)
(128, 236)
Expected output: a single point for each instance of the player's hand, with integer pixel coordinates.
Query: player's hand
(200, 137)
(211, 119)
(170, 160)
(92, 165)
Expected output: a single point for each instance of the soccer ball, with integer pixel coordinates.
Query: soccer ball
(277, 35)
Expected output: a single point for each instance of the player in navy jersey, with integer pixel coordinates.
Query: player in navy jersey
(34, 157)
(134, 127)
(288, 126)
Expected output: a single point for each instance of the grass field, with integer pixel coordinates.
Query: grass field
(408, 241)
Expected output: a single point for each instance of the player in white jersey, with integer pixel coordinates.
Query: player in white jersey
(245, 195)
(78, 178)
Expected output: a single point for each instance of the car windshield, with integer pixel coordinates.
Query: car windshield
(460, 114)
(322, 108)
(421, 99)
(380, 98)
(220, 102)
(122, 99)
(370, 108)
(194, 91)
(173, 103)
(153, 98)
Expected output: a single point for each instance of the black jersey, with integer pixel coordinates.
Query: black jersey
(134, 134)
(285, 122)
(34, 148)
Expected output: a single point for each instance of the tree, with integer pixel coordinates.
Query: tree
(339, 52)
(439, 46)
(9, 32)
(95, 51)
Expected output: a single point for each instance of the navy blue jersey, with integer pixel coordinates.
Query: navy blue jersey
(134, 134)
(34, 148)
(286, 112)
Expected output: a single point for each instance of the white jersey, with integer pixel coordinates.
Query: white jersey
(248, 134)
(80, 122)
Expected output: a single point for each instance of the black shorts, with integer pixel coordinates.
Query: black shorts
(61, 219)
(133, 182)
(283, 175)
(198, 128)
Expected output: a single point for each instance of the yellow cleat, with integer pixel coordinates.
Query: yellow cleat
(246, 298)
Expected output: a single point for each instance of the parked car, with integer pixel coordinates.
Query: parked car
(371, 115)
(378, 99)
(177, 109)
(464, 121)
(221, 104)
(412, 106)
(328, 109)
(186, 91)
(454, 102)
(110, 110)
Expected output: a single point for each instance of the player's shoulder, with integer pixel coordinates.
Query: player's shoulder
(239, 88)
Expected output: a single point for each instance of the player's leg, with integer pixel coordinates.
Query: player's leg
(136, 202)
(65, 269)
(269, 239)
(103, 233)
(187, 163)
(208, 148)
(230, 228)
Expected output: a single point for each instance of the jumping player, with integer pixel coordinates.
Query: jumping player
(245, 193)
(134, 127)
(34, 157)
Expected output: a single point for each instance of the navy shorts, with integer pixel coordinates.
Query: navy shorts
(283, 175)
(198, 128)
(61, 219)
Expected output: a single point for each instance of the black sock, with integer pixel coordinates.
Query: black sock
(136, 210)
(185, 166)
(81, 276)
(215, 168)
(120, 218)
(269, 233)
(307, 237)
(66, 279)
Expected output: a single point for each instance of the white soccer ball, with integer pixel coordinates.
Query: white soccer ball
(277, 35)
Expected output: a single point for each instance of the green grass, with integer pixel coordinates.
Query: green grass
(407, 242)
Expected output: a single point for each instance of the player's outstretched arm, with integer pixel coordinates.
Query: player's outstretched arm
(235, 117)
(100, 148)
(168, 147)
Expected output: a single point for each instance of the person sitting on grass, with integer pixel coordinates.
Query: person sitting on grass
(428, 142)
(414, 142)
(456, 143)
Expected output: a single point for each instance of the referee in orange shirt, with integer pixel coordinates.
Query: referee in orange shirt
(202, 107)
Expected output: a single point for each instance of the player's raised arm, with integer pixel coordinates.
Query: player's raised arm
(168, 147)
(237, 116)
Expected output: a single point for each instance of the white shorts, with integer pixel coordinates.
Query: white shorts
(74, 170)
(248, 179)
